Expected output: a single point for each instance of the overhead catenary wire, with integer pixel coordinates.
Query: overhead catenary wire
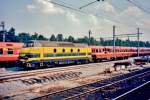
(142, 4)
(83, 12)
(144, 10)
(66, 3)
(96, 15)
(86, 13)
(90, 3)
(62, 5)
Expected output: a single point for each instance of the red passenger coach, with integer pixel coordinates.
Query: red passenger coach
(9, 51)
(106, 52)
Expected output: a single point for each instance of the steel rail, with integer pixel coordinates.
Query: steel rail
(14, 76)
(131, 91)
(87, 91)
(105, 86)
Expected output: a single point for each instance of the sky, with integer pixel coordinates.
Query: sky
(45, 18)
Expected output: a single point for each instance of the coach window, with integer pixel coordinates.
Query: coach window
(108, 50)
(116, 50)
(104, 50)
(99, 50)
(96, 50)
(93, 50)
(10, 51)
(1, 51)
(55, 50)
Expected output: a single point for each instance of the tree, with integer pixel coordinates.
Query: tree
(1, 35)
(10, 35)
(53, 38)
(34, 36)
(24, 37)
(59, 37)
(102, 41)
(65, 39)
(118, 42)
(83, 40)
(147, 44)
(41, 37)
(70, 39)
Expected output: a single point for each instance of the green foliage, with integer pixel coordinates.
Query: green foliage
(34, 36)
(59, 37)
(9, 35)
(26, 37)
(70, 39)
(83, 40)
(41, 37)
(53, 38)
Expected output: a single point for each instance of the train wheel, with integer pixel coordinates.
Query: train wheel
(49, 65)
(87, 61)
(113, 59)
(78, 62)
(28, 65)
(41, 64)
(96, 60)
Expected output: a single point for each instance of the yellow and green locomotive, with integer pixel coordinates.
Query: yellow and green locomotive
(47, 56)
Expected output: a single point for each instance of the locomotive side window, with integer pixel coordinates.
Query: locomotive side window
(71, 50)
(63, 50)
(78, 50)
(55, 50)
(10, 51)
(1, 51)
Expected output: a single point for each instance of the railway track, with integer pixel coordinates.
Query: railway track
(14, 76)
(141, 92)
(23, 83)
(17, 75)
(102, 89)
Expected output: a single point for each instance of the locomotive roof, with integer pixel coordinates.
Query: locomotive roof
(54, 44)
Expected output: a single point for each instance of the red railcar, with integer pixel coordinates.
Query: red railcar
(106, 52)
(9, 51)
(144, 51)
